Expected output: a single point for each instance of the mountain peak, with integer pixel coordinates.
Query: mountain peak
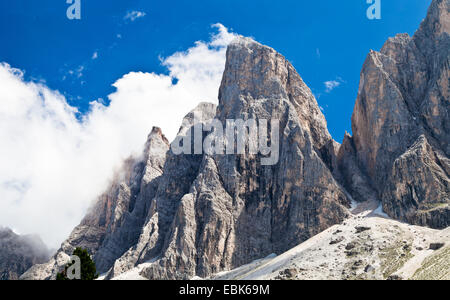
(437, 21)
(155, 134)
(255, 73)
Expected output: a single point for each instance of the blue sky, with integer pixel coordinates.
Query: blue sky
(325, 40)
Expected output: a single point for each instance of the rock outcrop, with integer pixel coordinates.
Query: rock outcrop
(19, 253)
(401, 132)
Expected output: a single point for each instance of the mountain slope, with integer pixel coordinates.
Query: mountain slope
(366, 246)
(19, 253)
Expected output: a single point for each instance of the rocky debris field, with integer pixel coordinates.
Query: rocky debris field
(368, 245)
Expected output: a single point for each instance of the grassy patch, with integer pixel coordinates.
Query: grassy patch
(394, 257)
(435, 267)
(427, 207)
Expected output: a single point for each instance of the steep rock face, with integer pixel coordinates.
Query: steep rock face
(411, 199)
(237, 209)
(179, 173)
(353, 178)
(258, 72)
(400, 122)
(19, 253)
(115, 221)
(133, 201)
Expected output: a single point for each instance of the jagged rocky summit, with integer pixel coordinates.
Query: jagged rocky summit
(401, 128)
(187, 215)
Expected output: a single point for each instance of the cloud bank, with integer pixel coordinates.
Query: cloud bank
(53, 165)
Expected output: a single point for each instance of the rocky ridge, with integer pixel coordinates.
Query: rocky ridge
(18, 253)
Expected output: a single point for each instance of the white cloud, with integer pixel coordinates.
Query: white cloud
(332, 84)
(53, 165)
(77, 73)
(133, 15)
(95, 55)
(223, 38)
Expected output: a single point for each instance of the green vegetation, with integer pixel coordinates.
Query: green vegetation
(435, 267)
(427, 207)
(393, 258)
(88, 269)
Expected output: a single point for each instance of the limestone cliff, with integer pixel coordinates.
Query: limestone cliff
(401, 140)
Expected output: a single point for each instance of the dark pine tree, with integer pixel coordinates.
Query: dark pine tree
(88, 269)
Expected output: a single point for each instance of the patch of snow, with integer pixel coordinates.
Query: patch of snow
(102, 276)
(133, 274)
(273, 255)
(243, 270)
(353, 205)
(379, 211)
(319, 259)
(154, 259)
